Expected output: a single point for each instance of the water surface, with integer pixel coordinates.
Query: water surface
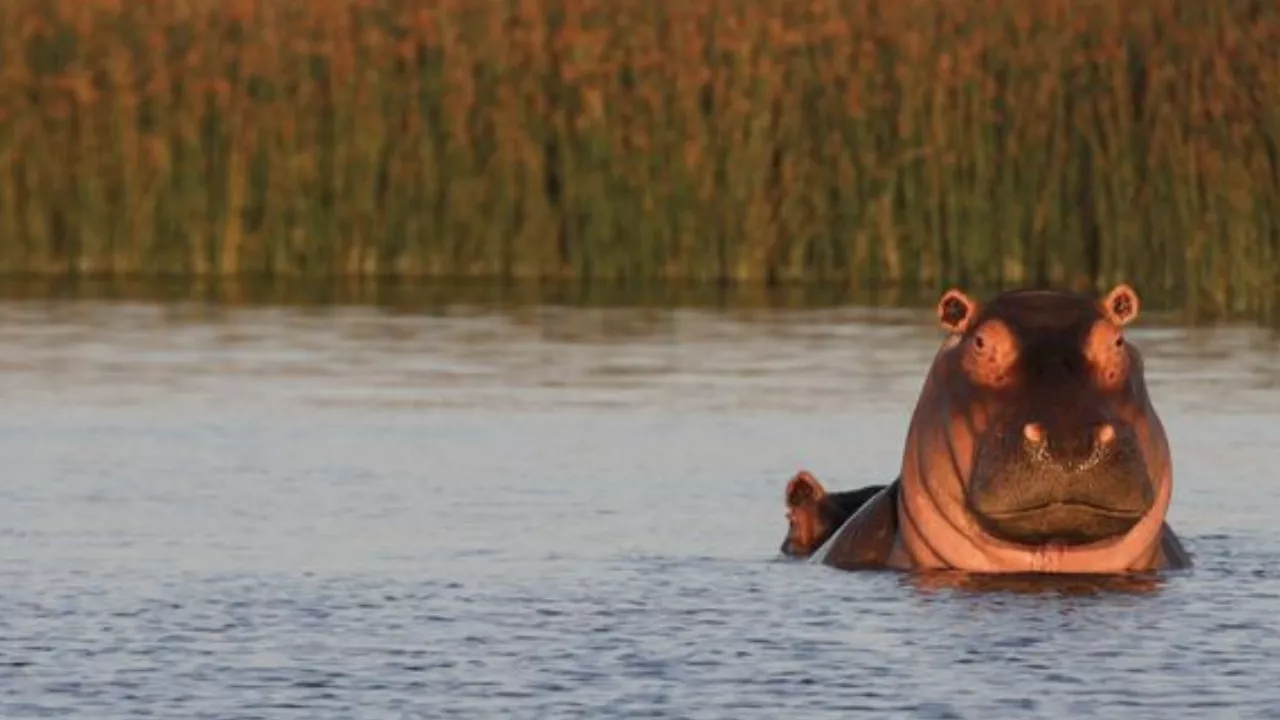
(545, 512)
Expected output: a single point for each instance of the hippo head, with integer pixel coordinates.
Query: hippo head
(813, 514)
(1055, 414)
(810, 519)
(1033, 448)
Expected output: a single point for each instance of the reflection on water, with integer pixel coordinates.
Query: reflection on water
(1034, 584)
(827, 359)
(504, 510)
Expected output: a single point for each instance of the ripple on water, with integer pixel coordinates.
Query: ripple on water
(277, 515)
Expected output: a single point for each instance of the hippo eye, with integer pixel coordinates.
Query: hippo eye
(991, 354)
(1107, 359)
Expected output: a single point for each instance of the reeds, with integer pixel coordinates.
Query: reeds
(985, 142)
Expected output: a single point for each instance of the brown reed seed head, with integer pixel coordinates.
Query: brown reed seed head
(837, 139)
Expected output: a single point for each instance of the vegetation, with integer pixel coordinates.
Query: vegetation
(855, 142)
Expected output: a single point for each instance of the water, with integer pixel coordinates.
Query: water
(541, 512)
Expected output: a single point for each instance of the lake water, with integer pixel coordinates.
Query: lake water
(549, 512)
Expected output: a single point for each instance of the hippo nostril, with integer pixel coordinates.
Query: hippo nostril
(1033, 433)
(1105, 434)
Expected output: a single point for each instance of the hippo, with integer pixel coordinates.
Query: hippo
(1033, 448)
(813, 514)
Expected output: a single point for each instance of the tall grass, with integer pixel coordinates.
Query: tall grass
(986, 142)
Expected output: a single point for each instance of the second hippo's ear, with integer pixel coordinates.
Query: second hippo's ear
(804, 488)
(956, 310)
(1120, 306)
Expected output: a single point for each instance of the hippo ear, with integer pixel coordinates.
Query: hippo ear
(804, 488)
(1120, 306)
(956, 310)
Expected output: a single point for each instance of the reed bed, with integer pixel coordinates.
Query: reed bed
(857, 142)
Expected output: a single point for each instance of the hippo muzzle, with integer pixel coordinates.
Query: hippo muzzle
(1040, 482)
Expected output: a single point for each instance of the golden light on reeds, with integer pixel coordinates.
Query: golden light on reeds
(978, 141)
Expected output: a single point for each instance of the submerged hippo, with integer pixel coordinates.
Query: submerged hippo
(813, 514)
(1034, 447)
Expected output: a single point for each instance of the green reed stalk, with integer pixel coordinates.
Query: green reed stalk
(987, 142)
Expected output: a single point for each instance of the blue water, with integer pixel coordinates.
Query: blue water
(547, 513)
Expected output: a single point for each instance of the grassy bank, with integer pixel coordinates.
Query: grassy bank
(851, 141)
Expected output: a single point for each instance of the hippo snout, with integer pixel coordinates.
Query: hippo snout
(1061, 484)
(1074, 449)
